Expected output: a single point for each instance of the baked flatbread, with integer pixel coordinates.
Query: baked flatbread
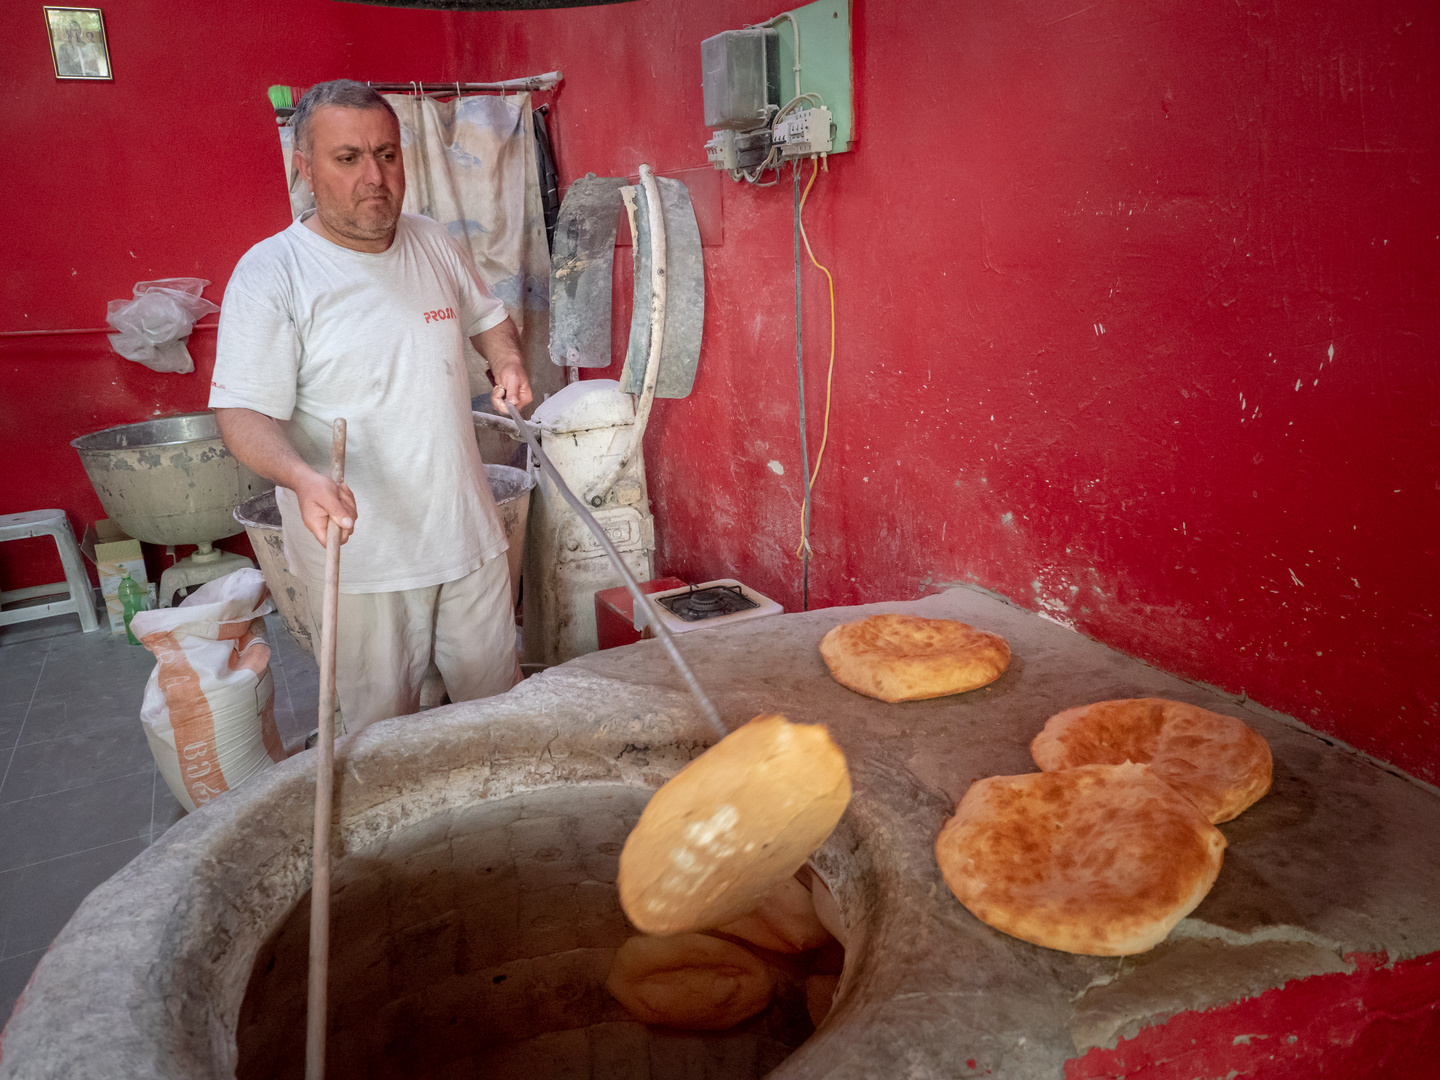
(785, 922)
(1215, 761)
(1101, 859)
(905, 658)
(731, 826)
(690, 981)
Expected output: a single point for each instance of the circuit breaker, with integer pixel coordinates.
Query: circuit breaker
(804, 133)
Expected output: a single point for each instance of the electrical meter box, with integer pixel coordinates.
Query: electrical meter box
(742, 78)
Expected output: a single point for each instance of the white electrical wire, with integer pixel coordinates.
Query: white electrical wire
(771, 160)
(794, 26)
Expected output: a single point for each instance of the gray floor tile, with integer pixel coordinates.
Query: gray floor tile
(82, 795)
(97, 667)
(282, 687)
(101, 641)
(44, 629)
(20, 651)
(304, 685)
(9, 884)
(302, 681)
(292, 730)
(285, 646)
(46, 894)
(299, 722)
(14, 974)
(165, 808)
(20, 667)
(16, 688)
(57, 716)
(51, 826)
(73, 761)
(37, 630)
(11, 718)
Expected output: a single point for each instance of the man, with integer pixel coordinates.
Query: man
(69, 63)
(359, 311)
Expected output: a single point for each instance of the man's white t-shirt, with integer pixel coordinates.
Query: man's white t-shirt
(310, 331)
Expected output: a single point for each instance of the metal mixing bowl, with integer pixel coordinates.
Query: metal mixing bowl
(169, 480)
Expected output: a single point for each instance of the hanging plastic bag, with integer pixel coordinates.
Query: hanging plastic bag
(209, 708)
(153, 326)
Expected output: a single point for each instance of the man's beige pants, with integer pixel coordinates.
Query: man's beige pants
(384, 643)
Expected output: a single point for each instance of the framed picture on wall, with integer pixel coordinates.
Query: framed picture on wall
(77, 43)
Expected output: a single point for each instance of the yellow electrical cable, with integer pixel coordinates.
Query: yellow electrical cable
(829, 374)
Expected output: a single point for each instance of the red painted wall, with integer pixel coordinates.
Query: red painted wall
(171, 170)
(1377, 1023)
(1231, 191)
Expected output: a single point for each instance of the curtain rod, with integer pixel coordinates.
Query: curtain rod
(283, 97)
(548, 81)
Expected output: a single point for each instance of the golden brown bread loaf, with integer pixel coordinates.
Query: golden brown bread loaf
(731, 826)
(785, 922)
(906, 658)
(1101, 859)
(1215, 761)
(689, 981)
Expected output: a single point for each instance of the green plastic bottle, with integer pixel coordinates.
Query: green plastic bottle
(133, 597)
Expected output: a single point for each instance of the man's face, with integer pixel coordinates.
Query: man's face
(356, 172)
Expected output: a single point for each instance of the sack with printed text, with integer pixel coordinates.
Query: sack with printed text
(209, 708)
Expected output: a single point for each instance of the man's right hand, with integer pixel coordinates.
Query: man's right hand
(322, 499)
(256, 439)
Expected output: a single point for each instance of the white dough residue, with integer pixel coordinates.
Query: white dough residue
(696, 860)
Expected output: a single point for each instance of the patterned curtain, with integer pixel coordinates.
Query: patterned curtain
(470, 164)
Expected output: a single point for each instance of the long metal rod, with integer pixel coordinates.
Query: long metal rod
(653, 619)
(315, 1015)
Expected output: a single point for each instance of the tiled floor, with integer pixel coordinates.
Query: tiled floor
(80, 795)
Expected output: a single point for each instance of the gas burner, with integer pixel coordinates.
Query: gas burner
(708, 603)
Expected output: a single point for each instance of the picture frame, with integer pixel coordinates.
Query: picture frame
(77, 43)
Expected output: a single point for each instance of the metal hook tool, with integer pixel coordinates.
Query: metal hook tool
(642, 601)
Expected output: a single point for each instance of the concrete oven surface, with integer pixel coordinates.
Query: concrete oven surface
(1332, 876)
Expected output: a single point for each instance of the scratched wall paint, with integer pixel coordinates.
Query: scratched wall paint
(1138, 309)
(1375, 1022)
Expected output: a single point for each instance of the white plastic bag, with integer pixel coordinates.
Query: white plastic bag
(153, 326)
(209, 709)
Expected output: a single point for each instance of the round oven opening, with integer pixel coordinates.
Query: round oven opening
(477, 944)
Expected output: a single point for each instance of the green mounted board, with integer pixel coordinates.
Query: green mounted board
(825, 67)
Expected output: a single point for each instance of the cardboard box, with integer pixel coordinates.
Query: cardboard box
(106, 545)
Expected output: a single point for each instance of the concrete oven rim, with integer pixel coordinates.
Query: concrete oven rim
(208, 894)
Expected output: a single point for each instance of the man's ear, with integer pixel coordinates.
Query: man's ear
(303, 164)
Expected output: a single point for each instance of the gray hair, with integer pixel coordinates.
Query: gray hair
(342, 93)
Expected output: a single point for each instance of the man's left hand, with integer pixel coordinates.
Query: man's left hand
(510, 385)
(500, 345)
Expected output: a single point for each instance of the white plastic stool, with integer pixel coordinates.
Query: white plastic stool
(81, 600)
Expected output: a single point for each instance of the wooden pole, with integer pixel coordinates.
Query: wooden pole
(315, 1016)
